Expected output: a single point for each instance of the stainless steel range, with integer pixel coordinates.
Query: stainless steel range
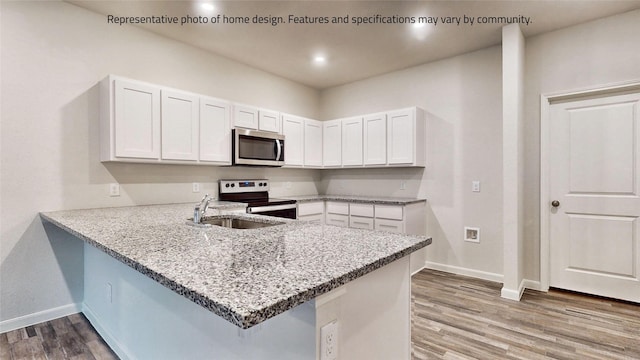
(256, 194)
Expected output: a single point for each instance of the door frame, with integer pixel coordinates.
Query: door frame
(546, 100)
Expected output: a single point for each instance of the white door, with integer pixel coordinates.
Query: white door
(312, 143)
(137, 120)
(293, 131)
(401, 132)
(215, 130)
(332, 143)
(352, 141)
(375, 139)
(179, 125)
(594, 183)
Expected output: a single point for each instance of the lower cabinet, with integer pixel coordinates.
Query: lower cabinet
(337, 214)
(311, 211)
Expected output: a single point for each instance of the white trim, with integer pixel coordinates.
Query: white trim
(465, 271)
(106, 335)
(533, 285)
(39, 317)
(420, 269)
(545, 105)
(513, 294)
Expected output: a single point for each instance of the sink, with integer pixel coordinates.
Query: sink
(233, 223)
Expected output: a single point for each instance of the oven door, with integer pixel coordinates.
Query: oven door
(251, 147)
(288, 211)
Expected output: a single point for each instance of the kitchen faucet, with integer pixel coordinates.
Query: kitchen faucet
(201, 209)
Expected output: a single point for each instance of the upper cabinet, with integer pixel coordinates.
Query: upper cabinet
(352, 141)
(406, 137)
(130, 120)
(250, 117)
(180, 125)
(142, 122)
(293, 131)
(332, 143)
(269, 121)
(312, 143)
(375, 139)
(215, 131)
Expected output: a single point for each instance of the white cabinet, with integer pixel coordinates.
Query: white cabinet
(375, 139)
(293, 130)
(332, 143)
(311, 211)
(245, 116)
(129, 120)
(250, 117)
(337, 214)
(361, 216)
(215, 131)
(352, 141)
(390, 218)
(406, 137)
(268, 120)
(312, 143)
(180, 125)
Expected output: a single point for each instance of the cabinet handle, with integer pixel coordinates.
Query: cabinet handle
(389, 226)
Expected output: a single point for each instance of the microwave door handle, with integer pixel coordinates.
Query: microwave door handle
(279, 149)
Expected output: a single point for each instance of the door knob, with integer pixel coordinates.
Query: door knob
(555, 203)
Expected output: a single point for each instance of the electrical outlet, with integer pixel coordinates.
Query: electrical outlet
(329, 341)
(287, 185)
(475, 186)
(472, 234)
(403, 185)
(195, 187)
(114, 189)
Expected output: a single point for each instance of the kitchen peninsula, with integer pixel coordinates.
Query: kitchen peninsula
(157, 287)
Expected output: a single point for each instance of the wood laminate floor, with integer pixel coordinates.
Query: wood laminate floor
(456, 317)
(70, 337)
(453, 317)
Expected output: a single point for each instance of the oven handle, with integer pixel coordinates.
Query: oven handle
(259, 209)
(279, 147)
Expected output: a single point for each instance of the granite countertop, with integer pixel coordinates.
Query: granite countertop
(357, 199)
(244, 276)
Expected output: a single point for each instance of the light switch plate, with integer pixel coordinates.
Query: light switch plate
(114, 189)
(475, 186)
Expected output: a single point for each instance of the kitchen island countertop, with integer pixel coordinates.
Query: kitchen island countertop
(244, 276)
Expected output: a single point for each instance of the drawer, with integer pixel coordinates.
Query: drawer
(358, 222)
(315, 218)
(311, 208)
(361, 210)
(389, 212)
(337, 208)
(337, 220)
(394, 226)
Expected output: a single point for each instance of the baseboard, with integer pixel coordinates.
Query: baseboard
(533, 285)
(512, 294)
(106, 335)
(39, 317)
(465, 271)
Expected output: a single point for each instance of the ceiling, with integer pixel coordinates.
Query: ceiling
(352, 51)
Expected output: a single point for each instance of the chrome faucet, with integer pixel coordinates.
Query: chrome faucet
(201, 209)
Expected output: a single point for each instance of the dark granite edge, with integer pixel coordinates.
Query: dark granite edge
(350, 198)
(255, 317)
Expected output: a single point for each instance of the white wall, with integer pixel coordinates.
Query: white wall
(464, 140)
(53, 55)
(584, 56)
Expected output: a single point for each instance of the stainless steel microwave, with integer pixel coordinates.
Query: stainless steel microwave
(253, 147)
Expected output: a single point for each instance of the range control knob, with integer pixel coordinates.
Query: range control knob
(226, 185)
(233, 185)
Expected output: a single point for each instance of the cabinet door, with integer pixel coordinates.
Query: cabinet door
(136, 120)
(312, 143)
(245, 116)
(401, 137)
(293, 130)
(352, 142)
(332, 143)
(179, 126)
(269, 120)
(375, 139)
(215, 130)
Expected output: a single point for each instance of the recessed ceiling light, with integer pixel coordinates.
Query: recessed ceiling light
(207, 6)
(319, 60)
